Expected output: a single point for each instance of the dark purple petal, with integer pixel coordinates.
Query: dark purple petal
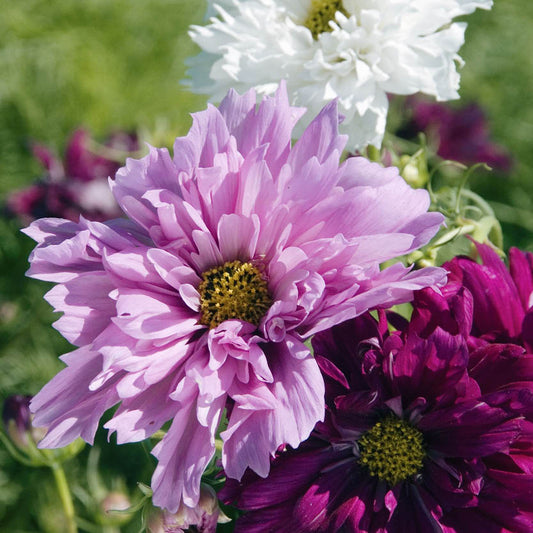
(48, 160)
(469, 429)
(432, 368)
(502, 366)
(521, 268)
(497, 306)
(271, 519)
(454, 483)
(340, 498)
(355, 506)
(492, 516)
(411, 514)
(291, 474)
(527, 331)
(343, 346)
(450, 308)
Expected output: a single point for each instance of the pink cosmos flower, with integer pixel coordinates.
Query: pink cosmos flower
(237, 249)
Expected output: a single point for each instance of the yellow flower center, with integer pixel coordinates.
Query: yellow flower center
(322, 11)
(392, 450)
(234, 290)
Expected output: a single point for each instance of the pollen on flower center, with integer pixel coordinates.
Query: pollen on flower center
(392, 450)
(234, 290)
(322, 11)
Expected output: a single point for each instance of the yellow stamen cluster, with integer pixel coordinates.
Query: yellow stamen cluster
(392, 450)
(322, 11)
(234, 290)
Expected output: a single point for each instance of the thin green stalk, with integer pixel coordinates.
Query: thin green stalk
(65, 496)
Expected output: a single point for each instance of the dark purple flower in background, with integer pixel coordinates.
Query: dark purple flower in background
(77, 186)
(418, 436)
(460, 134)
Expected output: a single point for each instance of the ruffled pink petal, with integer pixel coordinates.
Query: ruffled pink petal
(207, 137)
(62, 256)
(253, 435)
(146, 315)
(271, 124)
(182, 456)
(237, 237)
(154, 171)
(86, 305)
(236, 339)
(172, 269)
(67, 249)
(320, 139)
(133, 267)
(66, 406)
(141, 416)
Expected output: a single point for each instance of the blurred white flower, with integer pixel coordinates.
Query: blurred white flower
(353, 50)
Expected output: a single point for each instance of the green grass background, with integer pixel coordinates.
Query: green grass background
(116, 64)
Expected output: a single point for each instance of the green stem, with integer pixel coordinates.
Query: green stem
(65, 496)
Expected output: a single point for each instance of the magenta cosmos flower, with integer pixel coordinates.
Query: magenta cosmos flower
(237, 248)
(417, 438)
(79, 185)
(487, 301)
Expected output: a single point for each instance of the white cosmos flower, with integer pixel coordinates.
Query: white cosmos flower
(353, 50)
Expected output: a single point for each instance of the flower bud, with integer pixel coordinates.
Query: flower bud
(204, 517)
(111, 506)
(17, 422)
(24, 437)
(413, 169)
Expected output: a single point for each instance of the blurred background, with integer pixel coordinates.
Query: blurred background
(111, 70)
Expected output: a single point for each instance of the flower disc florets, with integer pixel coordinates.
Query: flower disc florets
(320, 15)
(234, 290)
(392, 450)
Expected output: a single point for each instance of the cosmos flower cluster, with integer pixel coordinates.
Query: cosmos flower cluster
(233, 252)
(358, 51)
(234, 307)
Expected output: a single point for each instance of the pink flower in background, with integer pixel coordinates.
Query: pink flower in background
(459, 134)
(237, 248)
(77, 186)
